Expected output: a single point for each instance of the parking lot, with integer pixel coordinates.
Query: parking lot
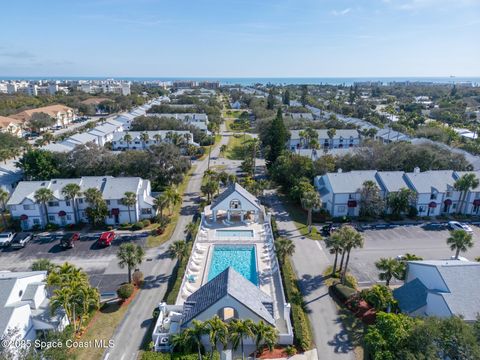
(100, 262)
(427, 241)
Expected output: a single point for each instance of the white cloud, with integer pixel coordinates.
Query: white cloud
(341, 12)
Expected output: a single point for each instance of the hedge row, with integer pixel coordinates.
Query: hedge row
(342, 292)
(150, 355)
(301, 326)
(176, 278)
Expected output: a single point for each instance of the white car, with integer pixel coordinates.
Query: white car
(455, 225)
(6, 238)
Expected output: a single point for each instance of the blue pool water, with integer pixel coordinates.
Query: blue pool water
(235, 233)
(240, 258)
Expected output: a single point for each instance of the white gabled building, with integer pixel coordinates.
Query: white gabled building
(24, 305)
(199, 120)
(343, 138)
(154, 138)
(60, 211)
(441, 288)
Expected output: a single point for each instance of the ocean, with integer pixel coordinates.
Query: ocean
(245, 81)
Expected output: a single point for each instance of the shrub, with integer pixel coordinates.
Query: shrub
(137, 277)
(137, 226)
(51, 227)
(146, 222)
(342, 292)
(378, 296)
(290, 351)
(125, 291)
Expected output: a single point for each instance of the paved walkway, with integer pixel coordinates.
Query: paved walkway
(130, 334)
(309, 261)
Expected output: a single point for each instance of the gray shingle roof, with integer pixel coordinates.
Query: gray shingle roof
(425, 182)
(350, 182)
(411, 296)
(392, 181)
(322, 134)
(229, 283)
(240, 190)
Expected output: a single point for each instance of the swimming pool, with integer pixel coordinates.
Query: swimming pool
(235, 233)
(241, 258)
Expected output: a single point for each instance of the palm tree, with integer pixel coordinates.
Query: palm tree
(129, 200)
(210, 188)
(157, 138)
(71, 192)
(178, 250)
(65, 273)
(390, 267)
(191, 230)
(284, 247)
(460, 241)
(161, 202)
(331, 134)
(217, 332)
(402, 263)
(254, 143)
(239, 330)
(43, 265)
(264, 335)
(187, 136)
(130, 255)
(128, 139)
(62, 299)
(464, 184)
(335, 244)
(310, 200)
(351, 239)
(194, 335)
(42, 196)
(144, 137)
(173, 196)
(3, 200)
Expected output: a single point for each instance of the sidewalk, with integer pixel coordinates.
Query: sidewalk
(309, 261)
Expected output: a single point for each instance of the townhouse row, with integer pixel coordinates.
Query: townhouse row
(435, 191)
(341, 138)
(62, 211)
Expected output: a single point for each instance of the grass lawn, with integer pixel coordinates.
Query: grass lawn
(235, 147)
(154, 241)
(228, 114)
(218, 138)
(101, 327)
(299, 217)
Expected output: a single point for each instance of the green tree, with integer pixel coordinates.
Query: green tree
(464, 184)
(40, 120)
(174, 198)
(42, 196)
(371, 201)
(351, 239)
(400, 201)
(310, 200)
(331, 134)
(217, 333)
(178, 250)
(304, 95)
(460, 241)
(277, 138)
(284, 247)
(97, 209)
(129, 200)
(128, 139)
(402, 265)
(43, 265)
(210, 188)
(270, 100)
(239, 330)
(130, 255)
(286, 97)
(39, 164)
(161, 202)
(194, 335)
(378, 296)
(264, 335)
(3, 201)
(389, 268)
(144, 137)
(335, 245)
(71, 192)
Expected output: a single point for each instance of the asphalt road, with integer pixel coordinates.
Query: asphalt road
(130, 334)
(426, 241)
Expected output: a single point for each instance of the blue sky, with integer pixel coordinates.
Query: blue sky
(240, 38)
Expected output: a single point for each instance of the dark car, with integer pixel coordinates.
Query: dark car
(106, 238)
(328, 229)
(67, 241)
(20, 240)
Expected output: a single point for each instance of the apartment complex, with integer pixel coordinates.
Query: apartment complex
(435, 192)
(63, 211)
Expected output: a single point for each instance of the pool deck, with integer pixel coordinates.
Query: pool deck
(269, 279)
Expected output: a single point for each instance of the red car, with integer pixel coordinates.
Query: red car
(106, 238)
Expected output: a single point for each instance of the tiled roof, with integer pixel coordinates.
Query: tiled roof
(51, 110)
(229, 283)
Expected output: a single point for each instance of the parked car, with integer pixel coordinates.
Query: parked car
(328, 229)
(67, 241)
(455, 225)
(106, 238)
(20, 240)
(6, 238)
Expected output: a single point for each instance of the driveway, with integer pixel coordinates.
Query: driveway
(425, 240)
(309, 261)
